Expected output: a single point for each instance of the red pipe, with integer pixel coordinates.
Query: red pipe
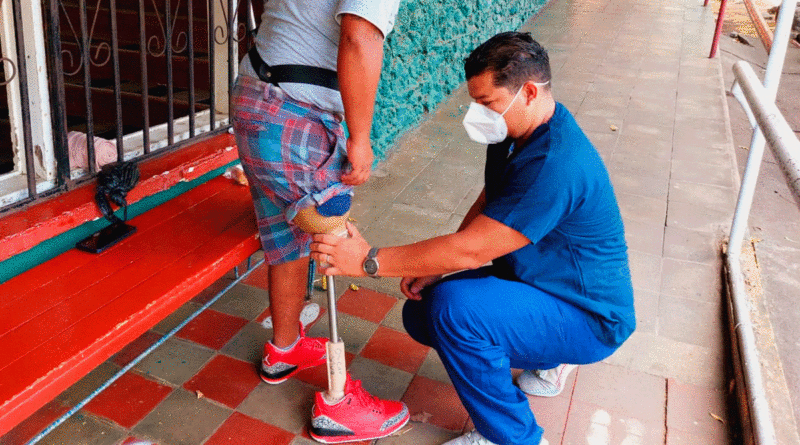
(718, 30)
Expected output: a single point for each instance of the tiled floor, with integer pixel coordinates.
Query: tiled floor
(635, 75)
(191, 391)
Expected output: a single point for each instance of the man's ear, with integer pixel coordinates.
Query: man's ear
(531, 91)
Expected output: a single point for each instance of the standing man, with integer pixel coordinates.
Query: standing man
(314, 64)
(558, 290)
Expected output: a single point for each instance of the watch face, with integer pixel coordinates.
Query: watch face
(370, 266)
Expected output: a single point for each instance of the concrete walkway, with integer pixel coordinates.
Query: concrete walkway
(636, 76)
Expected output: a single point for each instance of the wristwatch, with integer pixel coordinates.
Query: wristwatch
(370, 265)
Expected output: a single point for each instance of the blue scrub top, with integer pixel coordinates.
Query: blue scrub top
(555, 190)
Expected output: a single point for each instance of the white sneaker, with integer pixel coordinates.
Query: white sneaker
(309, 313)
(475, 438)
(545, 382)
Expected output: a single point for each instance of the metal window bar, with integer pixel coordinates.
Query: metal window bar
(117, 82)
(57, 97)
(190, 49)
(170, 79)
(87, 83)
(145, 88)
(140, 357)
(82, 33)
(212, 36)
(233, 28)
(21, 70)
(759, 104)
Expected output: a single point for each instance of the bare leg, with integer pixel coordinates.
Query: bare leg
(287, 288)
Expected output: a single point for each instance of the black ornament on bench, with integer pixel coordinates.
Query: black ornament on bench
(114, 181)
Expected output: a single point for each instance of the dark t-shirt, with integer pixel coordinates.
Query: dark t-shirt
(555, 190)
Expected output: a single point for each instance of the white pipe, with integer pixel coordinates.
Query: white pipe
(759, 104)
(778, 133)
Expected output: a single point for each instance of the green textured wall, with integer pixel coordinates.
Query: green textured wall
(424, 56)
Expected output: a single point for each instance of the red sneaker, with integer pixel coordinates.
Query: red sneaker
(278, 366)
(358, 416)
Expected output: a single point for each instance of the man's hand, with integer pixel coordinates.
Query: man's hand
(412, 286)
(360, 156)
(341, 256)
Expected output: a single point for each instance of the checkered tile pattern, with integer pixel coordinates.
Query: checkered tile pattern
(202, 387)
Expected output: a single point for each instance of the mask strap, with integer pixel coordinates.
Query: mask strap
(512, 101)
(538, 84)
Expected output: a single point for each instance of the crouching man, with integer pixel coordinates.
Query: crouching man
(558, 291)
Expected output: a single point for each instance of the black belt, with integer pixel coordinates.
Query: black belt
(293, 73)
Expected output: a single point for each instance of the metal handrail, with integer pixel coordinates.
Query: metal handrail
(778, 133)
(770, 128)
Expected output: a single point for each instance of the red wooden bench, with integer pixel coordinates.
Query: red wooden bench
(60, 320)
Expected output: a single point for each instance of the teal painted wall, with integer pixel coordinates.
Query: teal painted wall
(424, 56)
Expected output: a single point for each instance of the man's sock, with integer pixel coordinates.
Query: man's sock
(288, 348)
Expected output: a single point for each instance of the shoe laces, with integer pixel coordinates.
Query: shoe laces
(362, 396)
(476, 438)
(313, 342)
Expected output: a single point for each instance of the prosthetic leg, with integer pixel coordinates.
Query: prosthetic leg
(311, 221)
(345, 412)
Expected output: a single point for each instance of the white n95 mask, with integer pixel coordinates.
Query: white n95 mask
(486, 126)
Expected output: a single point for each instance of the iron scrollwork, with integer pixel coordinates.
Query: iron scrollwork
(156, 44)
(95, 59)
(7, 78)
(221, 33)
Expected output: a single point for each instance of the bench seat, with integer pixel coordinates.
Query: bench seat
(68, 315)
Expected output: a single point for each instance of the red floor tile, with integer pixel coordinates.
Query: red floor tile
(212, 328)
(318, 376)
(225, 379)
(437, 399)
(136, 441)
(136, 347)
(241, 429)
(365, 303)
(210, 292)
(128, 400)
(34, 424)
(395, 349)
(263, 315)
(259, 277)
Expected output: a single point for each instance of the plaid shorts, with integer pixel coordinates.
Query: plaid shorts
(293, 155)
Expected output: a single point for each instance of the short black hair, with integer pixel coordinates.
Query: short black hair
(513, 57)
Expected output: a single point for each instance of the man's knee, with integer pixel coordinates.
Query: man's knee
(449, 304)
(415, 321)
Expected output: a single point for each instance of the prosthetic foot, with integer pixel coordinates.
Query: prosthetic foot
(345, 412)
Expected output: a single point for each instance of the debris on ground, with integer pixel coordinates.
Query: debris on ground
(740, 38)
(421, 417)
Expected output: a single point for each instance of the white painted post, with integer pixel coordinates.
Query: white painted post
(38, 91)
(221, 32)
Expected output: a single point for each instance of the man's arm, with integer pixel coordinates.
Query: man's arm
(475, 210)
(481, 241)
(359, 70)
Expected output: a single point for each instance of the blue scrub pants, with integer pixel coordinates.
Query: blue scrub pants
(482, 326)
